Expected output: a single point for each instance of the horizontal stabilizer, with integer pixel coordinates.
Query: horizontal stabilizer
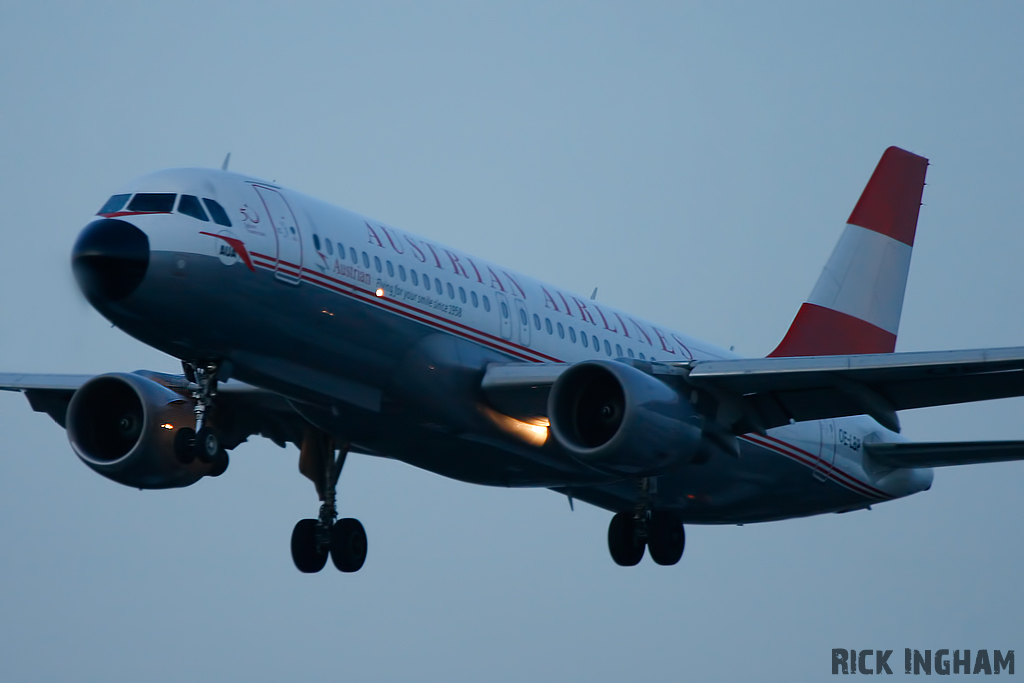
(915, 455)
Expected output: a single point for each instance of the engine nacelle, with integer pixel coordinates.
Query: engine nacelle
(123, 426)
(617, 418)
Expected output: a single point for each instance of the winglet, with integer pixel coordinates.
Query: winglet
(856, 304)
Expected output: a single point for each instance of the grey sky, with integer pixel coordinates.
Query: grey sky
(695, 162)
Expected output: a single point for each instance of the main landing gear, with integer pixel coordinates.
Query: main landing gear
(321, 460)
(203, 443)
(659, 531)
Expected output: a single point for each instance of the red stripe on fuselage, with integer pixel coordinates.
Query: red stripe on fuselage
(118, 214)
(369, 297)
(817, 464)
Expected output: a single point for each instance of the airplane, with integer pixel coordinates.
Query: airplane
(312, 325)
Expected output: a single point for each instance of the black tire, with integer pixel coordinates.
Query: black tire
(220, 464)
(627, 550)
(185, 445)
(348, 545)
(666, 538)
(207, 445)
(308, 558)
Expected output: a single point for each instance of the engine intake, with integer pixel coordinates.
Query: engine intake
(123, 426)
(617, 418)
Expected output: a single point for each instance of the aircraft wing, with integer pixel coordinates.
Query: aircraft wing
(760, 393)
(780, 390)
(913, 455)
(243, 410)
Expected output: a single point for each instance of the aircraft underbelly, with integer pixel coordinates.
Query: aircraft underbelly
(763, 485)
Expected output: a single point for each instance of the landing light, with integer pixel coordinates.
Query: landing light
(380, 291)
(167, 425)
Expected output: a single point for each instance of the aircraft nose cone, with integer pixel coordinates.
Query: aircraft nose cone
(109, 259)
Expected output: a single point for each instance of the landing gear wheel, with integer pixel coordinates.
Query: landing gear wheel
(306, 553)
(348, 545)
(185, 445)
(666, 538)
(220, 464)
(207, 445)
(626, 548)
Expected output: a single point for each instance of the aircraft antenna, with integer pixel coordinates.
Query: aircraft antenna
(227, 160)
(593, 296)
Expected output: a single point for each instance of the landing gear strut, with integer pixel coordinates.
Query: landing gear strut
(203, 443)
(322, 460)
(659, 531)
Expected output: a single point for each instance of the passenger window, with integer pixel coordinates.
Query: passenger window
(462, 295)
(451, 291)
(597, 344)
(572, 334)
(618, 351)
(561, 331)
(642, 356)
(487, 304)
(376, 263)
(330, 249)
(341, 250)
(472, 295)
(630, 352)
(190, 206)
(547, 324)
(114, 204)
(391, 270)
(366, 261)
(352, 255)
(401, 272)
(522, 318)
(316, 241)
(426, 282)
(152, 202)
(607, 348)
(414, 276)
(536, 321)
(504, 310)
(437, 285)
(583, 338)
(217, 213)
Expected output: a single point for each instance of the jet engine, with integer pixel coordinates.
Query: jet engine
(124, 426)
(619, 419)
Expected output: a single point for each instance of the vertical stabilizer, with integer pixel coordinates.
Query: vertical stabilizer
(855, 305)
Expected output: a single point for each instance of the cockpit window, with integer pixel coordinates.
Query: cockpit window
(152, 202)
(190, 206)
(217, 212)
(114, 204)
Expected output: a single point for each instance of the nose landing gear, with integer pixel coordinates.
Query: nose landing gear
(658, 531)
(203, 443)
(321, 460)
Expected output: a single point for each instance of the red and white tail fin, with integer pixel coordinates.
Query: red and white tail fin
(855, 306)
